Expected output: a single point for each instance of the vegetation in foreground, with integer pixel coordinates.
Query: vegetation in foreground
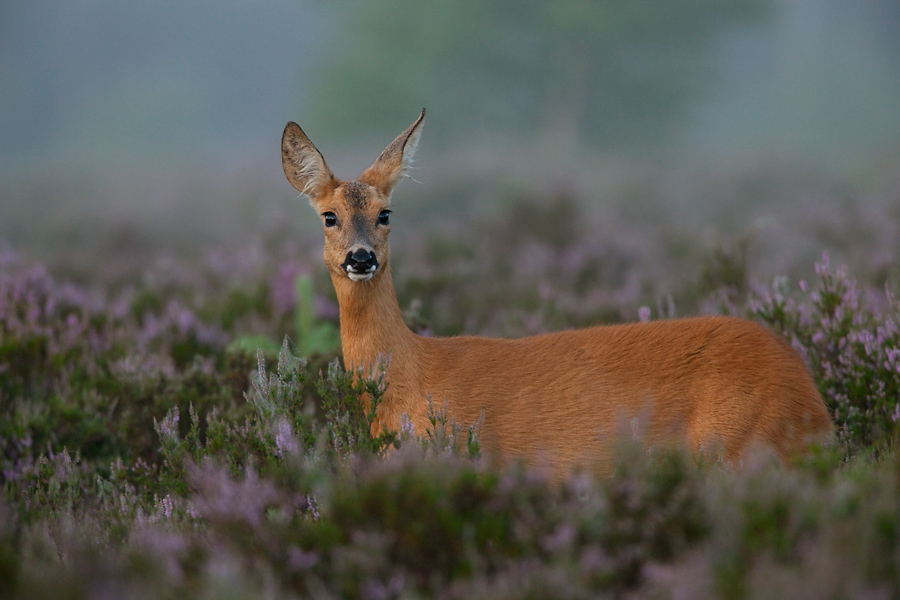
(148, 453)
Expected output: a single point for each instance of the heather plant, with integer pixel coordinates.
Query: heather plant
(447, 435)
(540, 265)
(47, 329)
(852, 347)
(280, 393)
(141, 457)
(445, 528)
(79, 371)
(350, 401)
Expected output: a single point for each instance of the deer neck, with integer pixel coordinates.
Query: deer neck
(372, 324)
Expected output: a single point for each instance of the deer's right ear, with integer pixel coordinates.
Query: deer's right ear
(303, 164)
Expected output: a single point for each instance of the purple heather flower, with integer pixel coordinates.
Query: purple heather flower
(285, 442)
(222, 498)
(168, 427)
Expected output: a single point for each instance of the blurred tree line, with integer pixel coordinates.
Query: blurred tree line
(590, 72)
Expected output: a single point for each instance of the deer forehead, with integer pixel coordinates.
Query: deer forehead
(359, 197)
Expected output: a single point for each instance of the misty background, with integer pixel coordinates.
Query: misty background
(156, 126)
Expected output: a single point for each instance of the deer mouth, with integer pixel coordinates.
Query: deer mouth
(354, 276)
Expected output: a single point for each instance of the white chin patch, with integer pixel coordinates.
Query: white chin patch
(359, 276)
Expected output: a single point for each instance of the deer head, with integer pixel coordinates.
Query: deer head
(355, 214)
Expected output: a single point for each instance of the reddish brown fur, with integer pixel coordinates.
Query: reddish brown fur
(563, 397)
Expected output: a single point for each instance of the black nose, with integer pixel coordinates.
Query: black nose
(361, 261)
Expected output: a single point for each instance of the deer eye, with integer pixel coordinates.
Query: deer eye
(330, 219)
(384, 217)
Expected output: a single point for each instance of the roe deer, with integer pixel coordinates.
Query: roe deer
(559, 397)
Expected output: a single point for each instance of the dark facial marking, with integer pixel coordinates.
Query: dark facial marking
(359, 225)
(355, 193)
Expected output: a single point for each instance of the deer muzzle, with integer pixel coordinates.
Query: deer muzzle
(360, 264)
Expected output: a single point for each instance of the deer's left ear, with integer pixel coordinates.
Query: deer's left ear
(393, 163)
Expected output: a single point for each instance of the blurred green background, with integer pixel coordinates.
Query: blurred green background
(155, 126)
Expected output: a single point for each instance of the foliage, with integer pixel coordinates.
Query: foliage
(312, 336)
(350, 401)
(599, 72)
(145, 457)
(853, 349)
